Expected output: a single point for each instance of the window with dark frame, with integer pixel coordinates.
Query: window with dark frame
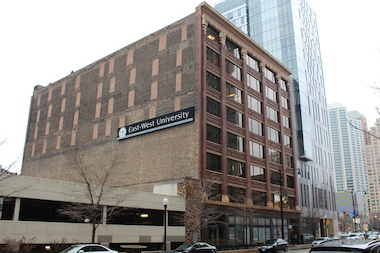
(255, 104)
(257, 173)
(254, 83)
(233, 48)
(255, 126)
(235, 117)
(213, 81)
(235, 142)
(275, 177)
(212, 57)
(213, 134)
(213, 162)
(256, 149)
(212, 33)
(233, 70)
(275, 156)
(213, 106)
(236, 195)
(236, 168)
(233, 93)
(253, 63)
(259, 198)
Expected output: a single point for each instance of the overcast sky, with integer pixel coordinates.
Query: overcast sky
(43, 41)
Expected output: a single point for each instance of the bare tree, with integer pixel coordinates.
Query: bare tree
(201, 211)
(96, 174)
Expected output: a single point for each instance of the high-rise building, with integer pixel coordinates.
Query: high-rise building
(196, 100)
(288, 30)
(350, 168)
(372, 158)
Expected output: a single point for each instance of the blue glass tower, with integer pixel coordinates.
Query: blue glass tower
(288, 30)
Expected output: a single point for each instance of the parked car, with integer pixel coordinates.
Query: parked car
(373, 237)
(81, 248)
(347, 245)
(199, 247)
(319, 240)
(356, 236)
(274, 245)
(308, 238)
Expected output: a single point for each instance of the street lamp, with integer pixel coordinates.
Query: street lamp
(281, 206)
(165, 202)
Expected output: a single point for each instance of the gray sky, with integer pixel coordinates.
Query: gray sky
(43, 41)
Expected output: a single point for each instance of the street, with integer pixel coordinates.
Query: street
(298, 250)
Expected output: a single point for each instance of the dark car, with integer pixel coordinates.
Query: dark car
(198, 247)
(274, 245)
(347, 245)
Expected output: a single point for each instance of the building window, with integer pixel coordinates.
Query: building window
(254, 104)
(259, 198)
(271, 94)
(236, 195)
(287, 141)
(213, 81)
(275, 177)
(270, 75)
(236, 168)
(215, 192)
(213, 134)
(254, 83)
(253, 63)
(257, 173)
(256, 149)
(290, 181)
(233, 48)
(255, 126)
(275, 156)
(234, 117)
(212, 57)
(235, 142)
(212, 33)
(213, 107)
(233, 70)
(289, 161)
(272, 114)
(285, 102)
(286, 121)
(273, 135)
(233, 93)
(283, 84)
(214, 162)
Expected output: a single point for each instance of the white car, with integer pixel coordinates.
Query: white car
(82, 248)
(373, 237)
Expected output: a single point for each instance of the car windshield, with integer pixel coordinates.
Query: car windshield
(68, 249)
(269, 242)
(183, 247)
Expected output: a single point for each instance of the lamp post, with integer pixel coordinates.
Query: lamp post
(165, 202)
(281, 207)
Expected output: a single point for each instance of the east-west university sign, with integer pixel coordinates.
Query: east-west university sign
(158, 123)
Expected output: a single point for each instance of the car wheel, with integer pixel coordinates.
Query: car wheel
(274, 250)
(286, 248)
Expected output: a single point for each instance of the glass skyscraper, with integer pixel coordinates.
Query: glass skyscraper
(288, 30)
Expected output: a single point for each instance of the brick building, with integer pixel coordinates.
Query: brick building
(196, 100)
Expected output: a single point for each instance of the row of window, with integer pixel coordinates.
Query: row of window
(236, 142)
(236, 94)
(236, 72)
(49, 211)
(259, 198)
(237, 168)
(232, 47)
